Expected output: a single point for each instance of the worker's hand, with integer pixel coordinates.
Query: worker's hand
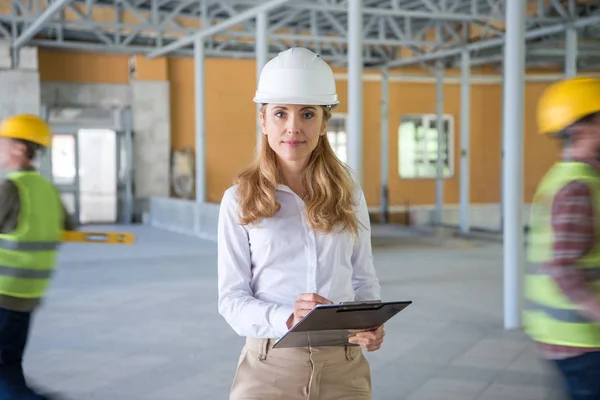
(368, 340)
(303, 305)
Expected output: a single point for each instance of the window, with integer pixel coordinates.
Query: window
(338, 137)
(418, 145)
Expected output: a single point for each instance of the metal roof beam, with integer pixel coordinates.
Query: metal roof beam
(395, 12)
(496, 42)
(102, 28)
(137, 49)
(39, 23)
(496, 58)
(239, 18)
(560, 52)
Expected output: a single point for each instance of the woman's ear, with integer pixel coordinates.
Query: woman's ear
(263, 122)
(323, 127)
(323, 122)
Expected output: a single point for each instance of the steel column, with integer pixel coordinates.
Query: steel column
(465, 135)
(199, 117)
(355, 104)
(502, 150)
(127, 120)
(385, 144)
(571, 53)
(262, 53)
(439, 110)
(45, 167)
(514, 81)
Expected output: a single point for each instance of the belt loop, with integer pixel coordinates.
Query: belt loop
(263, 349)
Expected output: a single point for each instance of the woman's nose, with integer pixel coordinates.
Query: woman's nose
(292, 125)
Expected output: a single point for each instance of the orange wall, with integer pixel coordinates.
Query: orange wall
(230, 116)
(230, 122)
(64, 66)
(540, 152)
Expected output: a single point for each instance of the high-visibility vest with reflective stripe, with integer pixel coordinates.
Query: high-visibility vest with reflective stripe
(27, 255)
(549, 315)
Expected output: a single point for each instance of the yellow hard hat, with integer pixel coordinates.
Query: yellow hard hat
(566, 102)
(27, 127)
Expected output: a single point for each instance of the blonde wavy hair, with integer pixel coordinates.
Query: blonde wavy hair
(328, 185)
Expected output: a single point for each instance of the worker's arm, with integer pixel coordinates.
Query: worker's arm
(574, 236)
(9, 206)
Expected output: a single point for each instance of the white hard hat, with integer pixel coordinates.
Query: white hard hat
(297, 76)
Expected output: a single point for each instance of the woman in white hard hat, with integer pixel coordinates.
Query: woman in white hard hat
(294, 232)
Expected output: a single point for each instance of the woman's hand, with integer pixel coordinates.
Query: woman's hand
(303, 305)
(368, 340)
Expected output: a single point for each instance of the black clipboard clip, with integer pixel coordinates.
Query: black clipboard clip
(360, 303)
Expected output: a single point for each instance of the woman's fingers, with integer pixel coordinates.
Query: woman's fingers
(306, 302)
(313, 298)
(369, 340)
(304, 305)
(367, 344)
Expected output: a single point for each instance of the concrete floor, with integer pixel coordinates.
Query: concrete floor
(140, 322)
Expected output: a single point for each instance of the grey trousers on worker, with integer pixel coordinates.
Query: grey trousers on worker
(305, 373)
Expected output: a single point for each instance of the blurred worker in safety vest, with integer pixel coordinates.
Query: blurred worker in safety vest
(562, 283)
(32, 220)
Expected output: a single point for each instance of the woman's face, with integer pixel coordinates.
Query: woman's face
(293, 131)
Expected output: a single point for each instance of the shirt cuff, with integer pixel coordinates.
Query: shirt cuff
(282, 314)
(367, 295)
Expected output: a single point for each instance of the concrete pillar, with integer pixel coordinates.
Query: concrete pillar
(439, 110)
(200, 118)
(262, 54)
(151, 117)
(465, 136)
(19, 83)
(385, 144)
(514, 81)
(355, 89)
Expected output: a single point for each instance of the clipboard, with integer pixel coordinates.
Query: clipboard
(333, 324)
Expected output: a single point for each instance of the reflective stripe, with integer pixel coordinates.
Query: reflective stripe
(28, 246)
(25, 273)
(559, 314)
(537, 270)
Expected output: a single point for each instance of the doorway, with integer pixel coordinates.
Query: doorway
(92, 169)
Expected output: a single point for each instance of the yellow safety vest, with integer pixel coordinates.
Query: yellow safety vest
(28, 254)
(549, 316)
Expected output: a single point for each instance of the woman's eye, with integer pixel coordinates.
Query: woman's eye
(308, 115)
(279, 114)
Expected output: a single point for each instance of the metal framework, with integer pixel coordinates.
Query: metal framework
(360, 34)
(395, 32)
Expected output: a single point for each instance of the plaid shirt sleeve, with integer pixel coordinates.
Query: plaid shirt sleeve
(574, 236)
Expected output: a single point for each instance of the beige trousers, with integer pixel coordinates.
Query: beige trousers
(304, 373)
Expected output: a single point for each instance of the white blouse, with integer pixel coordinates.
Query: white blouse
(264, 267)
